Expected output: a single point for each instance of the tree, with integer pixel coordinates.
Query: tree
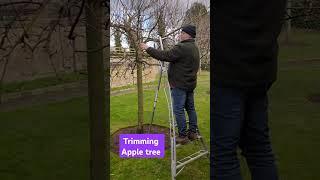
(198, 15)
(117, 38)
(195, 13)
(24, 28)
(7, 45)
(97, 95)
(134, 19)
(141, 21)
(304, 14)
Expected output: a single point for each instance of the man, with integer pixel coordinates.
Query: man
(182, 74)
(244, 67)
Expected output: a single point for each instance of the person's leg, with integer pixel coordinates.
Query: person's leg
(226, 118)
(255, 140)
(179, 99)
(192, 115)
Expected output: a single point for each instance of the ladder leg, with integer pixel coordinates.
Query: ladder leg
(204, 146)
(156, 97)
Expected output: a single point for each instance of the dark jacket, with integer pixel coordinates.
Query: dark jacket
(245, 45)
(184, 63)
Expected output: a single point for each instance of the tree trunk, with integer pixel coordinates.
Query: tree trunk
(2, 78)
(140, 90)
(51, 62)
(288, 24)
(99, 137)
(74, 60)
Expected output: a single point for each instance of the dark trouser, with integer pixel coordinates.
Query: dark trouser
(184, 100)
(239, 118)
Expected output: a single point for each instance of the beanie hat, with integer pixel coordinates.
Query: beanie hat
(189, 29)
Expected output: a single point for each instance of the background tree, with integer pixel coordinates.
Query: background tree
(135, 19)
(198, 15)
(25, 24)
(140, 21)
(117, 38)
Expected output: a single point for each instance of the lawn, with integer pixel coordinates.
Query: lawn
(43, 82)
(51, 142)
(45, 142)
(124, 113)
(302, 45)
(294, 121)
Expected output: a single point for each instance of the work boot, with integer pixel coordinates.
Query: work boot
(182, 140)
(192, 135)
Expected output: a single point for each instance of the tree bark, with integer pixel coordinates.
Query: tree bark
(99, 146)
(140, 90)
(288, 24)
(74, 60)
(2, 78)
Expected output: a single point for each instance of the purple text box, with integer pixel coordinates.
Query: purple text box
(141, 145)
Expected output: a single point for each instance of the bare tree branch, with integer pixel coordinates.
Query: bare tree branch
(19, 3)
(71, 36)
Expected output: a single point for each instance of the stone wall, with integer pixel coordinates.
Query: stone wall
(61, 56)
(123, 75)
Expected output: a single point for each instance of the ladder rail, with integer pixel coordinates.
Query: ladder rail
(176, 165)
(171, 132)
(172, 137)
(156, 97)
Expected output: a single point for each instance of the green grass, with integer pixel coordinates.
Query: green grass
(123, 113)
(52, 81)
(302, 45)
(45, 142)
(52, 141)
(42, 82)
(134, 86)
(294, 121)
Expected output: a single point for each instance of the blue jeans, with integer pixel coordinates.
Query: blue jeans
(239, 118)
(184, 100)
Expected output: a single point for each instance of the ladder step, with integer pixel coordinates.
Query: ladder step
(192, 155)
(182, 162)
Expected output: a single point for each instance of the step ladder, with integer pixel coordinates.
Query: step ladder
(176, 165)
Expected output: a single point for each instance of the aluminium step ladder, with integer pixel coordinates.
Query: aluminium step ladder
(176, 165)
